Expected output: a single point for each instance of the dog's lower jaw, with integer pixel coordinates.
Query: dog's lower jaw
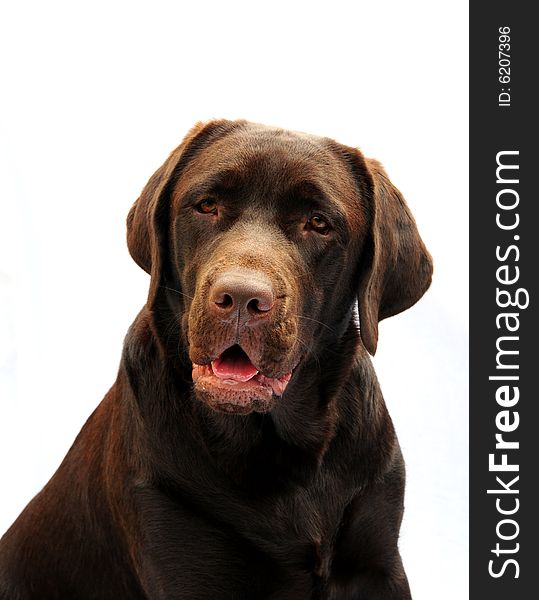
(235, 403)
(258, 394)
(232, 383)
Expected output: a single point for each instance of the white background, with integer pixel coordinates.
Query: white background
(95, 95)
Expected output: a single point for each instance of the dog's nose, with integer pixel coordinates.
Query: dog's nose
(249, 294)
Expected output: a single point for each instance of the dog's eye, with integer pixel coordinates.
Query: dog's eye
(208, 206)
(318, 224)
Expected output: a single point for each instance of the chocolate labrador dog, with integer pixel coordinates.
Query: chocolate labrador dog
(245, 451)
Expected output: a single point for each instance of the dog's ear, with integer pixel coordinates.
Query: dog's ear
(396, 267)
(148, 219)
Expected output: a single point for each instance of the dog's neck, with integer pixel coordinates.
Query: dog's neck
(255, 449)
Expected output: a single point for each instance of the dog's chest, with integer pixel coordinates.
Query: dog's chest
(309, 522)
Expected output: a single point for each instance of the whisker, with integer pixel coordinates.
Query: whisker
(316, 321)
(308, 352)
(176, 291)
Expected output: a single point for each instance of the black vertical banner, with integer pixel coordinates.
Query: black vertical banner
(504, 267)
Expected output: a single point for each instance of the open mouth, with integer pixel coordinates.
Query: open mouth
(232, 379)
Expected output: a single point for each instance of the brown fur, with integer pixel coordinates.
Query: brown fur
(163, 494)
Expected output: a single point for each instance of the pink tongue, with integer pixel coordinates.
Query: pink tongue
(237, 367)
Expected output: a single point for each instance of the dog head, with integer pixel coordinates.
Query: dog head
(258, 241)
